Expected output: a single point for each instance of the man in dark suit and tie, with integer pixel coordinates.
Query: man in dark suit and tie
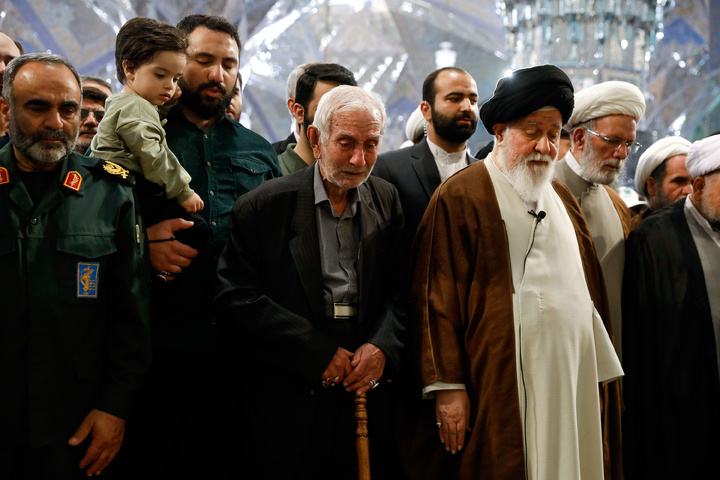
(450, 107)
(311, 298)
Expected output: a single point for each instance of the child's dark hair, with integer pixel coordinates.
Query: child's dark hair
(141, 38)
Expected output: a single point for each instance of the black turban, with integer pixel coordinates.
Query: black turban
(528, 90)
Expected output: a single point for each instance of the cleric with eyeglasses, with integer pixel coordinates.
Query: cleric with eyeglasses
(602, 129)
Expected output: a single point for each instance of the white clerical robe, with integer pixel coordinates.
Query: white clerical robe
(562, 348)
(607, 231)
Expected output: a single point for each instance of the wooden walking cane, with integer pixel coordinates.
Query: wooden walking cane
(361, 437)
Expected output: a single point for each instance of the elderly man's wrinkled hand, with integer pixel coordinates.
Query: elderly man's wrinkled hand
(368, 365)
(338, 369)
(452, 411)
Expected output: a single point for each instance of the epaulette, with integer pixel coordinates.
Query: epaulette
(116, 171)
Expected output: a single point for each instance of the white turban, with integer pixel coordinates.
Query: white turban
(607, 98)
(704, 156)
(656, 154)
(415, 125)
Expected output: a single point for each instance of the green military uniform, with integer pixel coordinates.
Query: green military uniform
(74, 290)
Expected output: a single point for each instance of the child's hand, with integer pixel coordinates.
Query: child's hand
(193, 204)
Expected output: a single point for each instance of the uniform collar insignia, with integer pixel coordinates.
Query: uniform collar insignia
(4, 176)
(115, 169)
(73, 180)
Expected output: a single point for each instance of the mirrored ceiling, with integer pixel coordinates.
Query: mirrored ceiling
(390, 45)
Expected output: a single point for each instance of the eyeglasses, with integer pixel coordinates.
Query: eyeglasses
(615, 142)
(98, 114)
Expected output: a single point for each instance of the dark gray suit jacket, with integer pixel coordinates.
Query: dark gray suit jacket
(270, 302)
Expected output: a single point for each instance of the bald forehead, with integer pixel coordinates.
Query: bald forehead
(452, 74)
(454, 78)
(35, 79)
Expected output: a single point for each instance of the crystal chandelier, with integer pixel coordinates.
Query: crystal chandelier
(592, 40)
(445, 56)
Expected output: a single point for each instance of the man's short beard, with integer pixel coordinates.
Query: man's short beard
(529, 181)
(661, 200)
(592, 162)
(205, 108)
(448, 129)
(29, 144)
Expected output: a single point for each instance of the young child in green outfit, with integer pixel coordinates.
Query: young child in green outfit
(150, 56)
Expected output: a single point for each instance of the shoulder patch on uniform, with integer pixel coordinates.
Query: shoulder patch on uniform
(4, 176)
(73, 180)
(117, 171)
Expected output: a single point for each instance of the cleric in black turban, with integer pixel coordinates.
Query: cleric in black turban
(528, 90)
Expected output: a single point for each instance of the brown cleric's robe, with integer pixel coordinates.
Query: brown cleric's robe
(477, 341)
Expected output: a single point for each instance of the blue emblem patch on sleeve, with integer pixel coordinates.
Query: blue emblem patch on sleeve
(87, 279)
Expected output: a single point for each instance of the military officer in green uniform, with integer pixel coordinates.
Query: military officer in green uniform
(74, 322)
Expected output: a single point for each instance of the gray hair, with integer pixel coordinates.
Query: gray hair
(18, 62)
(346, 97)
(293, 79)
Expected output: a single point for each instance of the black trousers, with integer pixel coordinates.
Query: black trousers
(327, 446)
(51, 462)
(177, 425)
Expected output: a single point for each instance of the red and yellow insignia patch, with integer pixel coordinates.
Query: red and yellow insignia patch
(73, 180)
(4, 176)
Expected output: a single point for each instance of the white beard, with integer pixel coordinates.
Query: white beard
(528, 181)
(592, 163)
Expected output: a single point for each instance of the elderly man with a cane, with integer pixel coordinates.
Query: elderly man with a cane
(311, 299)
